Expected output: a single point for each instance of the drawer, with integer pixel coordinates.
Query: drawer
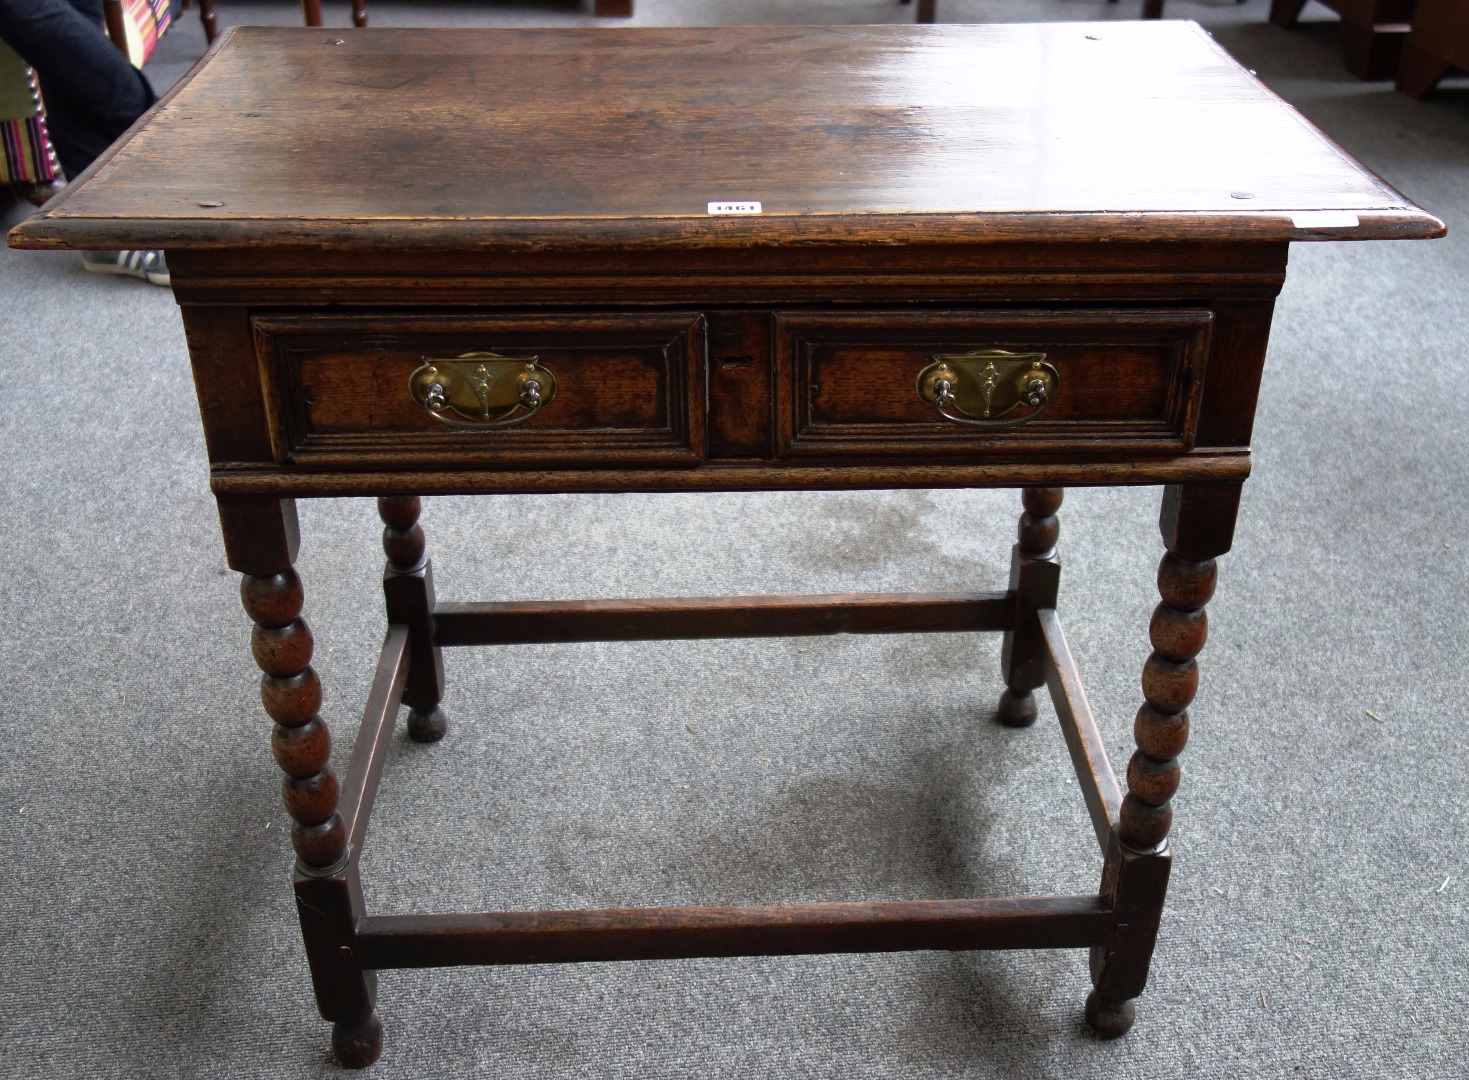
(614, 388)
(1126, 380)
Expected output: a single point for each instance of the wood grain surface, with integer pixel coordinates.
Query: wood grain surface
(467, 138)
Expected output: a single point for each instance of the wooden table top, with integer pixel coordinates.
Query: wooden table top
(468, 138)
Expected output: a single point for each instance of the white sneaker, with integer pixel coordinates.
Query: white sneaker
(148, 265)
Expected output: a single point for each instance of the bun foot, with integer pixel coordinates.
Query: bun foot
(429, 726)
(1017, 710)
(358, 1045)
(1109, 1019)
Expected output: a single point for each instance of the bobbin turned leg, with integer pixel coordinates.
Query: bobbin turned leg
(1035, 575)
(1197, 525)
(408, 586)
(261, 541)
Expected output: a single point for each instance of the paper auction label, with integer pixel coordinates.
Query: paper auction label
(734, 208)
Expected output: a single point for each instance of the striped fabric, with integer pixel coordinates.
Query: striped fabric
(26, 156)
(144, 22)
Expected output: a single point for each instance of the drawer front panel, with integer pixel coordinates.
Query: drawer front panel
(626, 389)
(1125, 380)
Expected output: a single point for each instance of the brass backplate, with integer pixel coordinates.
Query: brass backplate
(481, 388)
(988, 384)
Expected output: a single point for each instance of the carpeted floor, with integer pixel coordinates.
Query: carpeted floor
(1316, 923)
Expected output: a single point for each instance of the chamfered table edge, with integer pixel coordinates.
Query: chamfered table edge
(54, 228)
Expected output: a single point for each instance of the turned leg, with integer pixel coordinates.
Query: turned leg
(1197, 525)
(613, 8)
(359, 12)
(1035, 575)
(311, 11)
(408, 585)
(261, 541)
(1152, 9)
(927, 10)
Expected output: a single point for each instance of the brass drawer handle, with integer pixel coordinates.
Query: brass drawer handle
(481, 390)
(984, 387)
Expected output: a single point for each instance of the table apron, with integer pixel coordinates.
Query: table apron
(248, 479)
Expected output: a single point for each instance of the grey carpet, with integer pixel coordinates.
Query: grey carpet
(1316, 923)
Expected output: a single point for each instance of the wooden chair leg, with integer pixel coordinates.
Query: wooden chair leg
(620, 9)
(1198, 525)
(1035, 575)
(1420, 71)
(207, 18)
(359, 12)
(927, 11)
(311, 10)
(112, 20)
(1152, 9)
(408, 587)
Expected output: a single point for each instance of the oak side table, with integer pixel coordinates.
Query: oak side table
(719, 260)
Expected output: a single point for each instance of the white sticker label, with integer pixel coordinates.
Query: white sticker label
(1325, 219)
(734, 208)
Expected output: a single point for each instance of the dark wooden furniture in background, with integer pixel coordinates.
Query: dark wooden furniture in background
(1151, 9)
(1439, 41)
(206, 17)
(927, 10)
(1372, 31)
(113, 20)
(1081, 297)
(311, 9)
(311, 12)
